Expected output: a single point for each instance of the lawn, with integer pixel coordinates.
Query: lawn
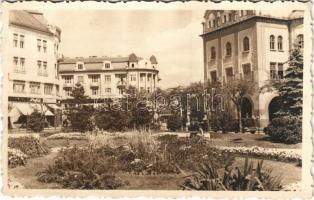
(247, 140)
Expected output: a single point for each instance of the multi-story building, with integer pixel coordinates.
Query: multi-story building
(253, 45)
(108, 77)
(30, 60)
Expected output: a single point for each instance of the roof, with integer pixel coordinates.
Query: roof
(29, 19)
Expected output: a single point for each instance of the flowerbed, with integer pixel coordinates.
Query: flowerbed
(29, 146)
(294, 155)
(96, 166)
(16, 158)
(70, 136)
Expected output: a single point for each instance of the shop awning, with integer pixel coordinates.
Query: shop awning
(27, 109)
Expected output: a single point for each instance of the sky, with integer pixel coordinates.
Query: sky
(171, 35)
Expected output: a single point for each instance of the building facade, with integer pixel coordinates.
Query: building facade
(30, 58)
(108, 77)
(253, 45)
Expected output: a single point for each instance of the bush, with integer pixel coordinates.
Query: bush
(207, 177)
(80, 118)
(174, 123)
(29, 146)
(111, 120)
(36, 121)
(286, 129)
(224, 121)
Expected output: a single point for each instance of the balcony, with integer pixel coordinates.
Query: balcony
(94, 84)
(227, 59)
(121, 84)
(69, 84)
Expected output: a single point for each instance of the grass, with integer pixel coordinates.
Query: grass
(248, 140)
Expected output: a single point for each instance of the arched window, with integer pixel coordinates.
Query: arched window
(212, 53)
(272, 42)
(300, 41)
(246, 44)
(279, 43)
(228, 49)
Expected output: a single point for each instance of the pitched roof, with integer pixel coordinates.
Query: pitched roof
(28, 19)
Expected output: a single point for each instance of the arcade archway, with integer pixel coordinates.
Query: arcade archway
(246, 108)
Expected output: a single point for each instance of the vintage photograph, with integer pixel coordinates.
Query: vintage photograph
(145, 99)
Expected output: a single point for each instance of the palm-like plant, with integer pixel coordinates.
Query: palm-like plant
(234, 178)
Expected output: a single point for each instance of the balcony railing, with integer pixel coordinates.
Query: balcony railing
(68, 84)
(121, 84)
(20, 71)
(94, 84)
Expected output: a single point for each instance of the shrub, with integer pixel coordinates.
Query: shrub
(29, 146)
(16, 158)
(36, 121)
(80, 118)
(112, 120)
(224, 121)
(207, 177)
(174, 123)
(286, 129)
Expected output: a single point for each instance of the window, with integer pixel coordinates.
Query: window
(279, 43)
(15, 64)
(39, 72)
(300, 41)
(57, 90)
(95, 91)
(142, 89)
(273, 74)
(149, 78)
(34, 87)
(209, 24)
(133, 77)
(107, 78)
(148, 89)
(80, 79)
(213, 76)
(68, 79)
(272, 42)
(246, 44)
(45, 72)
(48, 89)
(56, 71)
(107, 65)
(280, 70)
(142, 77)
(247, 71)
(38, 44)
(68, 91)
(22, 63)
(132, 65)
(95, 79)
(80, 66)
(107, 90)
(230, 17)
(241, 13)
(229, 72)
(19, 86)
(228, 49)
(21, 41)
(44, 46)
(212, 53)
(15, 39)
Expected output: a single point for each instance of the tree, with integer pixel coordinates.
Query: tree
(78, 113)
(286, 126)
(235, 90)
(36, 121)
